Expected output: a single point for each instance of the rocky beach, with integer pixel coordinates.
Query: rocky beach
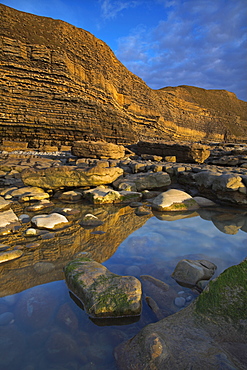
(66, 214)
(123, 211)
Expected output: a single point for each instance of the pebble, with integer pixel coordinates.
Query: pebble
(31, 231)
(133, 270)
(189, 298)
(179, 301)
(6, 318)
(24, 218)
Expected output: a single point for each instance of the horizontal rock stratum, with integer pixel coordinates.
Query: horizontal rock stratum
(61, 84)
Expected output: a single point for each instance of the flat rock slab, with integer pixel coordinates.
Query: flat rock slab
(71, 176)
(103, 293)
(52, 221)
(8, 217)
(174, 200)
(97, 149)
(28, 193)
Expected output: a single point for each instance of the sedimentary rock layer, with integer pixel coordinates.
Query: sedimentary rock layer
(59, 84)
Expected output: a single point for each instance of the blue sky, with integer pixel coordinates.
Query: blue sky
(165, 42)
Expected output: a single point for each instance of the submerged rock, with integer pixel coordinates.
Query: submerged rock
(103, 293)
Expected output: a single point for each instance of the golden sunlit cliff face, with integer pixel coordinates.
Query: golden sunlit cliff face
(59, 84)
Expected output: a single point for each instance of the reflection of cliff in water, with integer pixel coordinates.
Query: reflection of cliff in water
(44, 262)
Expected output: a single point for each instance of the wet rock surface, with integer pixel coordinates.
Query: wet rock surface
(103, 293)
(204, 335)
(97, 149)
(42, 254)
(189, 273)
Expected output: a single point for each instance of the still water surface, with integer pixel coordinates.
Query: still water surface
(44, 328)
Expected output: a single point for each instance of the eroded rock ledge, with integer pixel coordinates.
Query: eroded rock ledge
(61, 84)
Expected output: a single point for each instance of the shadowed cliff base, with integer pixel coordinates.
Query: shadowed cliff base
(61, 84)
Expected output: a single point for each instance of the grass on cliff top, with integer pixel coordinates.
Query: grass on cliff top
(226, 296)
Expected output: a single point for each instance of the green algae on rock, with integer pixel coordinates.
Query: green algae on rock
(103, 293)
(226, 296)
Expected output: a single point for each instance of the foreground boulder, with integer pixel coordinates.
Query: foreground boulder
(174, 200)
(189, 272)
(97, 149)
(103, 293)
(71, 176)
(209, 334)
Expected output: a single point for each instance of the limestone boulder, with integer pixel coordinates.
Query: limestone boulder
(174, 200)
(227, 182)
(103, 293)
(205, 178)
(143, 181)
(97, 149)
(51, 221)
(71, 176)
(184, 152)
(208, 334)
(101, 195)
(189, 272)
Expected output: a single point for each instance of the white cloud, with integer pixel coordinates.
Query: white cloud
(111, 8)
(200, 43)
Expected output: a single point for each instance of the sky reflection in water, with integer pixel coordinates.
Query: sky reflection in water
(154, 249)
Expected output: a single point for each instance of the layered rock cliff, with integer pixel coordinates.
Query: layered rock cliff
(59, 84)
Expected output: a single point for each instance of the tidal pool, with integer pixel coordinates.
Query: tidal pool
(44, 327)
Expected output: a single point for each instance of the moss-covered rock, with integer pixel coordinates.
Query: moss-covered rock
(226, 296)
(103, 293)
